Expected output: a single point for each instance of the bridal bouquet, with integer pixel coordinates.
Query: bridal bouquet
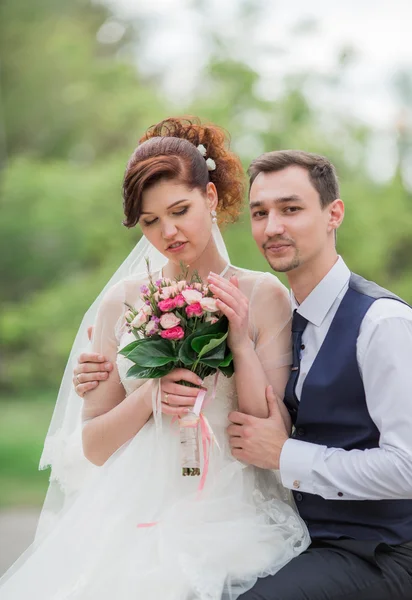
(179, 326)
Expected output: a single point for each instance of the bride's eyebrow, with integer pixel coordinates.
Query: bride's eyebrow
(169, 207)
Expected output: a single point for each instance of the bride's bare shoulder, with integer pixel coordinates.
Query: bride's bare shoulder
(252, 281)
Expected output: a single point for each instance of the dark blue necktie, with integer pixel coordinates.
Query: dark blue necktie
(298, 327)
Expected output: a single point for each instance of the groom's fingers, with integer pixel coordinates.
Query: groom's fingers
(239, 418)
(235, 430)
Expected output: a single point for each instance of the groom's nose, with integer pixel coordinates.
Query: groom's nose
(274, 225)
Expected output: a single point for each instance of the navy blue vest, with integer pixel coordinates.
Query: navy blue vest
(333, 412)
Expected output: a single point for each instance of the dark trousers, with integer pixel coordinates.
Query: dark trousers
(341, 570)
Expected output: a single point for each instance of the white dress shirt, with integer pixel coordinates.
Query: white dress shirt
(384, 355)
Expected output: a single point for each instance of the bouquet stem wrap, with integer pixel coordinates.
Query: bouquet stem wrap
(189, 444)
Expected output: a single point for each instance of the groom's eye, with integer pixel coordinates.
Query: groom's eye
(291, 209)
(259, 213)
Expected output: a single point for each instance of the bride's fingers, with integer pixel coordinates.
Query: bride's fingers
(183, 375)
(180, 390)
(174, 411)
(174, 400)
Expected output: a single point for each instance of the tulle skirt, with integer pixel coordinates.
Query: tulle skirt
(141, 531)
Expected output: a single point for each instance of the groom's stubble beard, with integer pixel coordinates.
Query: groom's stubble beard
(280, 264)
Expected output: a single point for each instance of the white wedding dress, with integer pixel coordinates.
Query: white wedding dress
(138, 530)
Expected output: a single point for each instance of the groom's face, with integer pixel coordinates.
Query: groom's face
(288, 223)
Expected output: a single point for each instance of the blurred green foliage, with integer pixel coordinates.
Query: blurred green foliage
(72, 109)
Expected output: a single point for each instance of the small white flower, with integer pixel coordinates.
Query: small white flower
(209, 304)
(192, 296)
(139, 320)
(211, 165)
(202, 149)
(147, 310)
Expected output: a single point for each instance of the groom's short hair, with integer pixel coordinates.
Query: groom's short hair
(321, 171)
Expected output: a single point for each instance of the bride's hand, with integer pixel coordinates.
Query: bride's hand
(235, 305)
(177, 399)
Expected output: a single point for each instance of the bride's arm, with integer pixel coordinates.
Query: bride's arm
(110, 417)
(267, 362)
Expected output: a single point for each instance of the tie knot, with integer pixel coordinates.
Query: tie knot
(298, 322)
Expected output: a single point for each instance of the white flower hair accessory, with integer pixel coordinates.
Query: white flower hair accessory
(202, 149)
(210, 163)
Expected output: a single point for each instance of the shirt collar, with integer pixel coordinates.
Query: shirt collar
(317, 305)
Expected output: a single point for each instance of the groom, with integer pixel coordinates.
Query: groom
(349, 395)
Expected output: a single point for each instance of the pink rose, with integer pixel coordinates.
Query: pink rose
(194, 310)
(175, 333)
(180, 301)
(167, 305)
(169, 320)
(192, 296)
(209, 304)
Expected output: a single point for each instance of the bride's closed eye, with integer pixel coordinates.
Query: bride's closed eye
(179, 213)
(183, 211)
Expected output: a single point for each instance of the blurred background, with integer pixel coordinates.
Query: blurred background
(80, 81)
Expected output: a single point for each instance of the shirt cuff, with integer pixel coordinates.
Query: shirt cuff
(296, 464)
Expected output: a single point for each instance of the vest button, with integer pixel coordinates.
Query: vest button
(299, 497)
(340, 494)
(302, 346)
(301, 431)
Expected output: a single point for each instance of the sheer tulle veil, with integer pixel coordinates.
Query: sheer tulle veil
(62, 450)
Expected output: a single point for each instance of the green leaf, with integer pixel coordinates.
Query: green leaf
(153, 353)
(127, 349)
(138, 372)
(187, 354)
(206, 343)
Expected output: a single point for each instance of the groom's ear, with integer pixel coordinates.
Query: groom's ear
(336, 214)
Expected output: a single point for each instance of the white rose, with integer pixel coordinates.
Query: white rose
(151, 328)
(139, 319)
(168, 291)
(147, 310)
(209, 304)
(192, 296)
(169, 320)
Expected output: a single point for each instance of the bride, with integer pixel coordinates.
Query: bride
(120, 521)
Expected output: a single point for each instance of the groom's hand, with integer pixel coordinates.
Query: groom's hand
(259, 441)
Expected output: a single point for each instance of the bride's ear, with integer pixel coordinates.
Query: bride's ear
(211, 195)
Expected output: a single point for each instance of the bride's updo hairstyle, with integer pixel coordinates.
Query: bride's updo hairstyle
(169, 151)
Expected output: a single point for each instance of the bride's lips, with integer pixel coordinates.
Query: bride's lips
(173, 248)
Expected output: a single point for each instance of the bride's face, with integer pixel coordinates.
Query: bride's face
(177, 221)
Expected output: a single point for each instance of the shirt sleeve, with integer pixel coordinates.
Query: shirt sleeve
(383, 350)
